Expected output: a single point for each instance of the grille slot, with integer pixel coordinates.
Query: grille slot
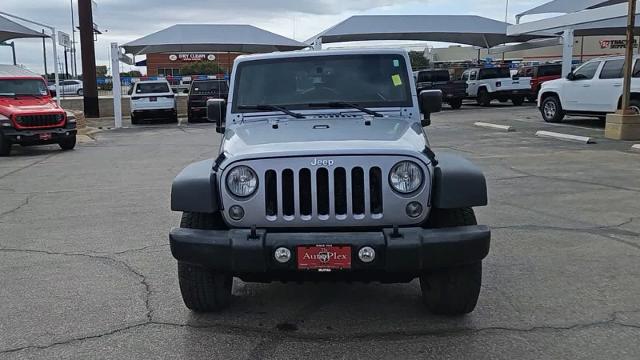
(323, 193)
(38, 120)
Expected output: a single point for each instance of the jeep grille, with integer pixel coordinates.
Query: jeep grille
(353, 192)
(36, 121)
(316, 191)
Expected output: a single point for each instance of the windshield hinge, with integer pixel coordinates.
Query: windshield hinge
(431, 155)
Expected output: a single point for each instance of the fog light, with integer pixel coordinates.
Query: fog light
(414, 209)
(367, 254)
(236, 212)
(282, 255)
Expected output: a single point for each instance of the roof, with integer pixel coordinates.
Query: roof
(460, 29)
(211, 37)
(16, 71)
(568, 6)
(12, 30)
(297, 54)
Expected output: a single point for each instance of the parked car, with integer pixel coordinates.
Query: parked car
(539, 74)
(593, 89)
(487, 84)
(28, 114)
(152, 99)
(453, 91)
(325, 173)
(68, 87)
(200, 92)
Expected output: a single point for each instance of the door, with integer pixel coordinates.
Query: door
(472, 83)
(577, 93)
(607, 88)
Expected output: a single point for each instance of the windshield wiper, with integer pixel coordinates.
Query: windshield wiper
(271, 107)
(346, 104)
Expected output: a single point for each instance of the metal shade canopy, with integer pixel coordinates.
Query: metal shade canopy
(212, 37)
(568, 6)
(12, 30)
(460, 29)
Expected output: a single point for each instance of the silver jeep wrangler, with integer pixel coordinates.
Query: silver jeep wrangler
(325, 173)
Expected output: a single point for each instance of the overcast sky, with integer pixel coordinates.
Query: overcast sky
(127, 20)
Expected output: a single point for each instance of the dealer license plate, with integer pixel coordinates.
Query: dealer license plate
(324, 257)
(45, 136)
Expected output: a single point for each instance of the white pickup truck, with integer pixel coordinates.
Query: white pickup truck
(487, 84)
(594, 89)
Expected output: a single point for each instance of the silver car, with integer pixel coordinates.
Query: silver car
(325, 173)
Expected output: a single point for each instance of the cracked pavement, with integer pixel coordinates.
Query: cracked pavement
(86, 271)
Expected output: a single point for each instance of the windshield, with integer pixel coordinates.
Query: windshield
(152, 88)
(33, 87)
(376, 80)
(210, 86)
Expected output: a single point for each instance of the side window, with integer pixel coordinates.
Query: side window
(612, 69)
(587, 71)
(473, 75)
(465, 75)
(636, 69)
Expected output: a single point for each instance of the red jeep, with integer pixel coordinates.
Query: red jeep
(28, 113)
(539, 74)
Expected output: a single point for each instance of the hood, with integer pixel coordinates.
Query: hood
(27, 105)
(337, 136)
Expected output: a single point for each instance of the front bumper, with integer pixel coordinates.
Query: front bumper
(38, 136)
(415, 250)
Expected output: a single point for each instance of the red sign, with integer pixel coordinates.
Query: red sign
(324, 257)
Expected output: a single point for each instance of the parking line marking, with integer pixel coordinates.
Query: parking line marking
(566, 137)
(494, 126)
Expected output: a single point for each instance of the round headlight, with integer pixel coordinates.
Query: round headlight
(405, 177)
(242, 181)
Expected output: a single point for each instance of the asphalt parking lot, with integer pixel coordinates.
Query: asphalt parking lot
(86, 270)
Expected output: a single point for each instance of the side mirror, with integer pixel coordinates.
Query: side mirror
(130, 91)
(217, 112)
(571, 76)
(430, 102)
(52, 93)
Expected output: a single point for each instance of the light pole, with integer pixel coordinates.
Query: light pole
(628, 58)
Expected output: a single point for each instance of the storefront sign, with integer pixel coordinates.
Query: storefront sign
(616, 44)
(189, 57)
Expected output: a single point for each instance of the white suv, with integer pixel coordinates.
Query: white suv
(594, 89)
(152, 99)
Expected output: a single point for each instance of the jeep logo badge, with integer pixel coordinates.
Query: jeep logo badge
(317, 162)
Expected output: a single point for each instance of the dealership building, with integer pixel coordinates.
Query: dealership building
(169, 50)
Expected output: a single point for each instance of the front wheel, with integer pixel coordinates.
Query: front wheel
(455, 103)
(5, 146)
(204, 290)
(452, 290)
(517, 100)
(484, 99)
(80, 92)
(68, 143)
(551, 109)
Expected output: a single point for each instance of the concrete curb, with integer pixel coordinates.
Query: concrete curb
(565, 137)
(494, 126)
(635, 147)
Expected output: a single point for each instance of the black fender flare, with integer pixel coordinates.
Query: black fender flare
(457, 183)
(195, 189)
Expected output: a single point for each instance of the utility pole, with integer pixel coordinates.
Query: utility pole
(74, 64)
(628, 58)
(85, 18)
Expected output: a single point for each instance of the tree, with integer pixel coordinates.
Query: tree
(418, 61)
(132, 73)
(202, 68)
(101, 71)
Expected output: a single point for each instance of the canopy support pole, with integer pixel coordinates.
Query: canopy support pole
(116, 85)
(567, 51)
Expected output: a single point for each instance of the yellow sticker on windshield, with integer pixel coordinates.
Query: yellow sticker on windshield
(397, 80)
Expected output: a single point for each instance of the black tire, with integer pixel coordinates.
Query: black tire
(503, 99)
(517, 100)
(634, 104)
(80, 92)
(454, 290)
(551, 109)
(68, 143)
(134, 120)
(174, 118)
(455, 103)
(484, 99)
(202, 289)
(5, 146)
